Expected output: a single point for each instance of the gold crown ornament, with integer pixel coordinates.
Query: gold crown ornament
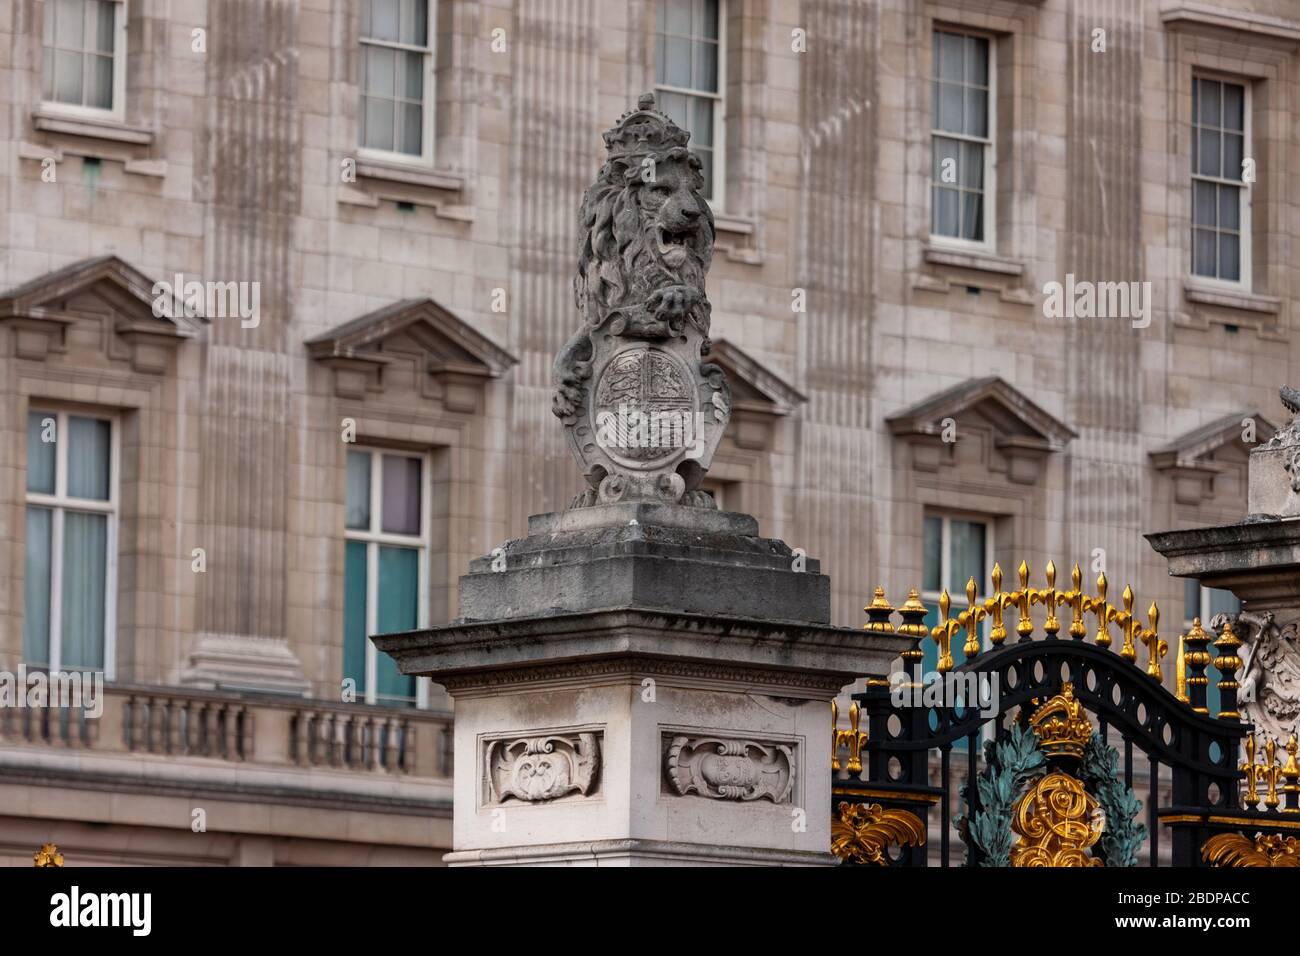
(1062, 725)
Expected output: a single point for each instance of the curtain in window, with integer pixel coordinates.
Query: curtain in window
(85, 552)
(399, 596)
(36, 587)
(354, 614)
(88, 458)
(40, 454)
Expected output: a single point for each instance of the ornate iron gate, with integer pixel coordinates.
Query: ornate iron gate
(1050, 791)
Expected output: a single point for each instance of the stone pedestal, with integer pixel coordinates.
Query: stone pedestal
(1258, 560)
(643, 684)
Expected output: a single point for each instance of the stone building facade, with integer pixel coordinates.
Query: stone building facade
(395, 185)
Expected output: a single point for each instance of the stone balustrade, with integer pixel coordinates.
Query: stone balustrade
(283, 732)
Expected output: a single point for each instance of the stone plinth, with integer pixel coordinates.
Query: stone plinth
(599, 723)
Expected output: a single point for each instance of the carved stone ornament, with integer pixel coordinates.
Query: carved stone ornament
(642, 411)
(731, 769)
(536, 769)
(1269, 696)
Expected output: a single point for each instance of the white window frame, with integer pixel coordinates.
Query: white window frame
(430, 51)
(118, 111)
(59, 504)
(988, 729)
(373, 538)
(717, 202)
(1245, 190)
(987, 245)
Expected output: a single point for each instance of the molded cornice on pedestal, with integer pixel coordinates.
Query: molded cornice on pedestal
(457, 359)
(103, 289)
(1188, 459)
(1025, 433)
(759, 397)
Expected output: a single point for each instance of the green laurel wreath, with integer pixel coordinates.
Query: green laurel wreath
(1013, 764)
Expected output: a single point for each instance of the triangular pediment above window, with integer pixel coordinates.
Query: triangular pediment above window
(1196, 458)
(416, 341)
(105, 290)
(1012, 433)
(758, 395)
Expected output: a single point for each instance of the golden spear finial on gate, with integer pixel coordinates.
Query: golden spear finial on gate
(1073, 599)
(1021, 598)
(1098, 606)
(1253, 772)
(1048, 598)
(1156, 648)
(1128, 624)
(970, 619)
(853, 738)
(943, 632)
(995, 604)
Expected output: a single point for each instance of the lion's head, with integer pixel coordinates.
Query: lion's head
(645, 225)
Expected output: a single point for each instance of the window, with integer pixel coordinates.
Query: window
(955, 550)
(84, 54)
(1220, 196)
(962, 104)
(396, 67)
(71, 542)
(688, 72)
(385, 566)
(1205, 603)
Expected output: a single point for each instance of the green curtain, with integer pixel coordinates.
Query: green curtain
(85, 554)
(399, 597)
(354, 614)
(36, 587)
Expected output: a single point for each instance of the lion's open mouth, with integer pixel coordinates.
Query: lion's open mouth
(674, 244)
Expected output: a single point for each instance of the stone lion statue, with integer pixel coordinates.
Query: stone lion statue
(646, 244)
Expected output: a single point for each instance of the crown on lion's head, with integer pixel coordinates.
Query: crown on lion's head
(644, 222)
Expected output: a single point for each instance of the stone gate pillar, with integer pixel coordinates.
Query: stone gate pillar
(643, 679)
(1258, 560)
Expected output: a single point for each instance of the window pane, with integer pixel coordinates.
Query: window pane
(706, 18)
(1203, 203)
(705, 66)
(354, 614)
(945, 208)
(99, 82)
(949, 53)
(674, 105)
(678, 14)
(357, 509)
(1229, 257)
(88, 458)
(104, 26)
(1192, 600)
(677, 62)
(1232, 153)
(418, 19)
(69, 20)
(413, 76)
(384, 20)
(1208, 153)
(949, 117)
(85, 553)
(412, 129)
(1209, 104)
(47, 70)
(67, 77)
(41, 454)
(36, 587)
(972, 219)
(380, 63)
(1229, 208)
(48, 34)
(1203, 252)
(1234, 103)
(977, 61)
(971, 168)
(946, 160)
(378, 125)
(932, 541)
(965, 555)
(1223, 602)
(398, 610)
(401, 494)
(977, 114)
(701, 122)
